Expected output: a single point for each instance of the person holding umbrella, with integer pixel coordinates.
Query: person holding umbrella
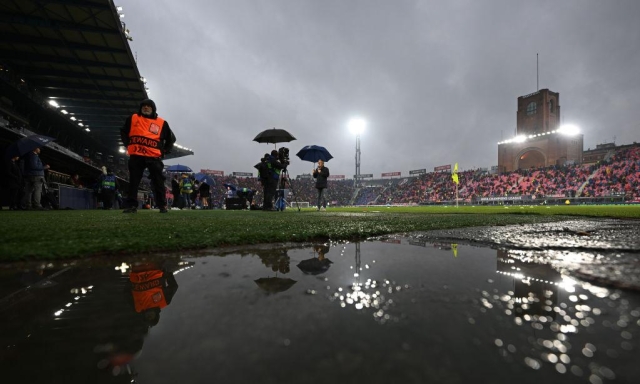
(320, 154)
(34, 179)
(148, 138)
(321, 174)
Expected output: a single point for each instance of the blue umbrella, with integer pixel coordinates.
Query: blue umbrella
(314, 153)
(27, 144)
(203, 176)
(227, 185)
(178, 168)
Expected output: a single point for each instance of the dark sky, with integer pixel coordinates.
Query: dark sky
(436, 81)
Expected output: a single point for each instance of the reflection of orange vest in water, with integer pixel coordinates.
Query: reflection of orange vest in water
(147, 290)
(144, 136)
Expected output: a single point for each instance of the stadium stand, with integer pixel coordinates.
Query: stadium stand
(68, 72)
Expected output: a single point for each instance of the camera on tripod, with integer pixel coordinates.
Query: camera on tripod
(283, 156)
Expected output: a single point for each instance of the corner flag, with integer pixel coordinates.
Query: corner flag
(454, 175)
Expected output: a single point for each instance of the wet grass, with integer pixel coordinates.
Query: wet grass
(75, 234)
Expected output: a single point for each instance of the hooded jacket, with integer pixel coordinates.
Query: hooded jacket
(141, 135)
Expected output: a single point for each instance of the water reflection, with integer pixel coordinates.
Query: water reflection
(441, 313)
(535, 286)
(275, 284)
(369, 295)
(319, 264)
(278, 260)
(85, 324)
(560, 314)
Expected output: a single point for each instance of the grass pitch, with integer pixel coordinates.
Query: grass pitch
(75, 234)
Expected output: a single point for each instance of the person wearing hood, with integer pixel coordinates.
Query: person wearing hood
(147, 138)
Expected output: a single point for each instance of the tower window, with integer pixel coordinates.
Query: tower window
(551, 105)
(532, 108)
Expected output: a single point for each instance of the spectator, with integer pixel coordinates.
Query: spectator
(205, 191)
(34, 179)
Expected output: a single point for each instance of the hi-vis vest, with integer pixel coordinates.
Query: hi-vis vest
(187, 187)
(147, 290)
(275, 172)
(144, 136)
(109, 182)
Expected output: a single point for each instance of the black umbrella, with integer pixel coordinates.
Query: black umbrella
(274, 136)
(275, 284)
(314, 266)
(27, 144)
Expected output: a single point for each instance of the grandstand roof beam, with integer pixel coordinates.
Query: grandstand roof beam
(69, 101)
(45, 84)
(35, 57)
(81, 4)
(14, 38)
(54, 25)
(56, 73)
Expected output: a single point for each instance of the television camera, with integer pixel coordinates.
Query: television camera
(283, 156)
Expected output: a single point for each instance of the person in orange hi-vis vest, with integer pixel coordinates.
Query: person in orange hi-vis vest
(152, 289)
(147, 138)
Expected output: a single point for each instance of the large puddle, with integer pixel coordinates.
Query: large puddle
(400, 310)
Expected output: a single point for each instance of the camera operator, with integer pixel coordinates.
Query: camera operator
(274, 167)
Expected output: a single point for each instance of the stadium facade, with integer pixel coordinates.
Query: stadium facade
(539, 141)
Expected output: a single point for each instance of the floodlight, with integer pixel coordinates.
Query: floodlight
(569, 130)
(520, 139)
(357, 125)
(53, 103)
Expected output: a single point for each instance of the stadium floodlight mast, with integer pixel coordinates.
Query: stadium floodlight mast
(357, 126)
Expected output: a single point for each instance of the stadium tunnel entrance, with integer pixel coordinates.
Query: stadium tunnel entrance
(531, 158)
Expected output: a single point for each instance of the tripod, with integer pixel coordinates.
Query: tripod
(281, 201)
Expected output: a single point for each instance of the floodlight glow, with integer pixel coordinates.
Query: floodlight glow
(121, 150)
(80, 124)
(119, 8)
(87, 129)
(520, 139)
(357, 125)
(53, 103)
(64, 112)
(569, 130)
(73, 118)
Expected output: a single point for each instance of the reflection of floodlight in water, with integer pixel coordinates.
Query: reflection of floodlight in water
(569, 130)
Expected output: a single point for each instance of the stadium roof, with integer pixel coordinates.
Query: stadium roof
(76, 53)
